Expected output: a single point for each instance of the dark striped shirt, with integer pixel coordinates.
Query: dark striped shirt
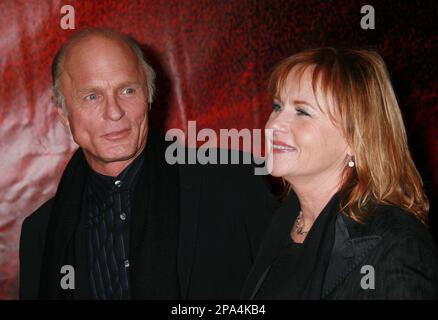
(109, 205)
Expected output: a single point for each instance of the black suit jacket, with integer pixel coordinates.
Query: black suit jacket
(224, 211)
(393, 242)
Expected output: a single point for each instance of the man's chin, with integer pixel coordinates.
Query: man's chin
(114, 155)
(110, 158)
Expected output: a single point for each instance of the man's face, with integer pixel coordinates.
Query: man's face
(105, 93)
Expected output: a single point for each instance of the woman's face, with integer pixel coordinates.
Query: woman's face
(304, 142)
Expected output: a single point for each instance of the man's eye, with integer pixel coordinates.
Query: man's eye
(276, 107)
(91, 97)
(128, 91)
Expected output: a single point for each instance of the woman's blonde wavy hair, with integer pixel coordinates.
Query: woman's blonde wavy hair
(367, 109)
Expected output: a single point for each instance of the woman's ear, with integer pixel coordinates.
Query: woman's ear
(350, 152)
(350, 157)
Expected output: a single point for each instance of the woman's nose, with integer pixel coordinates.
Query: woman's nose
(277, 125)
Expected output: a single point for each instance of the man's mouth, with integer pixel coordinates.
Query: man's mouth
(115, 135)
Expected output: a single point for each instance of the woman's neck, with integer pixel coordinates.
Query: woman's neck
(314, 194)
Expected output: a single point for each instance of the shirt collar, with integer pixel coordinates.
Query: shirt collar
(104, 185)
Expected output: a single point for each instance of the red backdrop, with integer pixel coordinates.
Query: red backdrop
(213, 59)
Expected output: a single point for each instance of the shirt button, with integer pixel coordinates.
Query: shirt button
(126, 263)
(118, 183)
(123, 216)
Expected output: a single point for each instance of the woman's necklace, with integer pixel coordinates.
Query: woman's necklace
(299, 224)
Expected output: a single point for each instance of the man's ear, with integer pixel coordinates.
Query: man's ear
(63, 116)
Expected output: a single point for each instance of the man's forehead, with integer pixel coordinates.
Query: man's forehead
(93, 48)
(87, 81)
(100, 59)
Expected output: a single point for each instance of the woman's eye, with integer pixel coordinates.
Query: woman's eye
(301, 112)
(276, 107)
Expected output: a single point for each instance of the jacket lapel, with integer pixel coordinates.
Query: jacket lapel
(82, 291)
(347, 254)
(190, 184)
(62, 226)
(154, 227)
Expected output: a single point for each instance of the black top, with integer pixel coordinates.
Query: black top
(280, 272)
(389, 256)
(107, 210)
(295, 271)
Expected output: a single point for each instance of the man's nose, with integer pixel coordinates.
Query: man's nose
(113, 109)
